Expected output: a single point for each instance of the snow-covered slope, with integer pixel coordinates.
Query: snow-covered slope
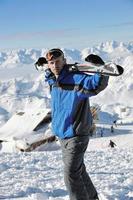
(39, 175)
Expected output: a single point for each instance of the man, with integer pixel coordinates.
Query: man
(71, 121)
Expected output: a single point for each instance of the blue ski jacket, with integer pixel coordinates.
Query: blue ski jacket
(70, 94)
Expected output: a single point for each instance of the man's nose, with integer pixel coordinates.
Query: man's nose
(54, 65)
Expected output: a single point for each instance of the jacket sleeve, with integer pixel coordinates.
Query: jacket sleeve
(103, 83)
(95, 83)
(90, 85)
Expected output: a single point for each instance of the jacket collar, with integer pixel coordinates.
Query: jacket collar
(63, 73)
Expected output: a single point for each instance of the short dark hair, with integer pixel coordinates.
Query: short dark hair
(54, 53)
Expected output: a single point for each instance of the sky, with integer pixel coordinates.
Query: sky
(64, 23)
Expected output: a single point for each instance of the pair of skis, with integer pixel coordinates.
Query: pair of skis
(94, 64)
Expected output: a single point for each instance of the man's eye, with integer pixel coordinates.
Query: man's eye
(57, 61)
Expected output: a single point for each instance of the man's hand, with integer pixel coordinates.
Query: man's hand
(94, 59)
(41, 64)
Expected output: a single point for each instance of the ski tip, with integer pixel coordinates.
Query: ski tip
(120, 69)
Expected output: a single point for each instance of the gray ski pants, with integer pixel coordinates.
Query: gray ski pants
(77, 180)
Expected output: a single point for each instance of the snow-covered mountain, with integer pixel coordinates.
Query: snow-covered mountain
(20, 82)
(114, 51)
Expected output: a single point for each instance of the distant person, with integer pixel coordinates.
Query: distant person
(72, 120)
(115, 123)
(112, 144)
(112, 129)
(101, 132)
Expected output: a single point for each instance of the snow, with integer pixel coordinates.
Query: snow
(38, 175)
(30, 119)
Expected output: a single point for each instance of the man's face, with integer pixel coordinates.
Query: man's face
(56, 65)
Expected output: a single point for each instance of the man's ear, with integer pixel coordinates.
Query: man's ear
(64, 60)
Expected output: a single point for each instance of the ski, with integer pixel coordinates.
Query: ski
(94, 64)
(99, 66)
(109, 69)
